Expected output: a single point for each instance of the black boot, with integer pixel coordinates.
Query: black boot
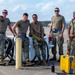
(58, 60)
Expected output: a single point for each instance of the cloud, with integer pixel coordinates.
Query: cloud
(72, 0)
(16, 8)
(44, 8)
(24, 7)
(19, 7)
(6, 2)
(60, 1)
(1, 1)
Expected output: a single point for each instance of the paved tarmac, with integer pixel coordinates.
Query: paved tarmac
(33, 70)
(36, 70)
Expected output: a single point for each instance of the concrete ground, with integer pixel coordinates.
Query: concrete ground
(36, 70)
(33, 70)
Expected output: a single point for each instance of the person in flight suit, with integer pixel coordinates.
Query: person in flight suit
(4, 22)
(56, 31)
(71, 35)
(37, 33)
(22, 26)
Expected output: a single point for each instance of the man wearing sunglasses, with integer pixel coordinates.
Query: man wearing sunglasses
(4, 22)
(71, 35)
(56, 31)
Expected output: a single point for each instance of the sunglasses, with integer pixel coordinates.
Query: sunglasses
(56, 10)
(34, 17)
(5, 12)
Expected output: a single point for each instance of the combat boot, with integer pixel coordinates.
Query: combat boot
(28, 63)
(2, 62)
(44, 63)
(38, 63)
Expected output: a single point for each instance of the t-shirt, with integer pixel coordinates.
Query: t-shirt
(23, 26)
(37, 29)
(72, 26)
(57, 22)
(3, 25)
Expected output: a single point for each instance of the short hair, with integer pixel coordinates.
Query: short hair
(26, 14)
(73, 12)
(5, 11)
(57, 8)
(34, 15)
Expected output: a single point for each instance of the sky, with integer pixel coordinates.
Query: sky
(43, 8)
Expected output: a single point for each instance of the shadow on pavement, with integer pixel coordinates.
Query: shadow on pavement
(61, 73)
(54, 62)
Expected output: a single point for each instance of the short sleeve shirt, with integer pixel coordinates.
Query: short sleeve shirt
(37, 29)
(57, 22)
(72, 26)
(22, 26)
(3, 25)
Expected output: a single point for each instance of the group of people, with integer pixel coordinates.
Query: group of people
(37, 33)
(56, 32)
